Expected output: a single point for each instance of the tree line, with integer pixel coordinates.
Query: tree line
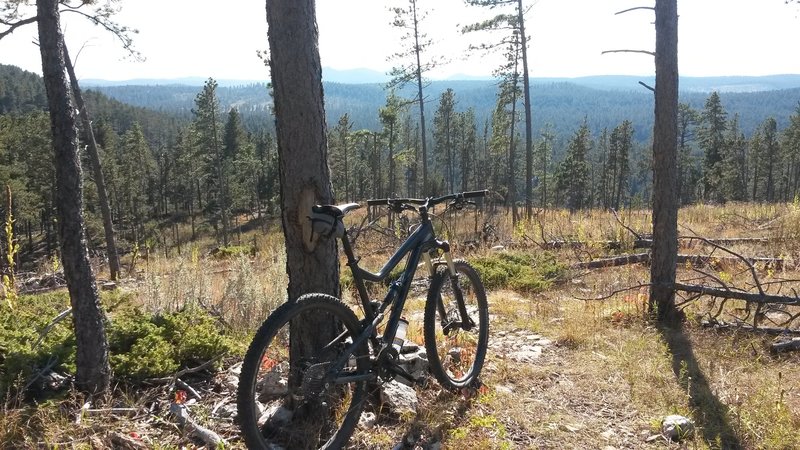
(214, 173)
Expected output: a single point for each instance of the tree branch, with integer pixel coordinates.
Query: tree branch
(629, 51)
(15, 25)
(634, 9)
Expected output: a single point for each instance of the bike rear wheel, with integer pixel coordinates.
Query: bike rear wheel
(293, 390)
(456, 345)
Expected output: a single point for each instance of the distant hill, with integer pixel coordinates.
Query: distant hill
(603, 101)
(603, 82)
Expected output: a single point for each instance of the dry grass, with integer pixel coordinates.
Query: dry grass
(607, 379)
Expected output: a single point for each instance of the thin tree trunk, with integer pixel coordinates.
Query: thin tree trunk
(425, 186)
(665, 137)
(93, 371)
(526, 89)
(97, 170)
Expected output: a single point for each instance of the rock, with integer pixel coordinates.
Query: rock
(415, 363)
(677, 428)
(569, 428)
(367, 420)
(273, 383)
(399, 398)
(526, 354)
(231, 378)
(502, 389)
(276, 415)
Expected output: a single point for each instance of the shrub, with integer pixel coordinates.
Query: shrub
(523, 272)
(20, 330)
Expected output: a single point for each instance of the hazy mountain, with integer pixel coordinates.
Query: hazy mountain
(605, 82)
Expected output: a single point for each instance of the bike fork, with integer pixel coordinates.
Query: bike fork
(466, 323)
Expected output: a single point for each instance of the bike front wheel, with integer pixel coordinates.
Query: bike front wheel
(303, 383)
(456, 325)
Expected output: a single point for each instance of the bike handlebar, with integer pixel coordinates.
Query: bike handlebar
(430, 201)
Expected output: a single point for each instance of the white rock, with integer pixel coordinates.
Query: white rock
(676, 427)
(277, 415)
(367, 420)
(400, 398)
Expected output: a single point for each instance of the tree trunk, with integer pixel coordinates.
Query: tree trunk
(426, 191)
(93, 371)
(665, 144)
(311, 261)
(97, 170)
(526, 89)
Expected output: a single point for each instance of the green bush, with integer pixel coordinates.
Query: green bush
(523, 272)
(141, 345)
(147, 346)
(20, 329)
(149, 356)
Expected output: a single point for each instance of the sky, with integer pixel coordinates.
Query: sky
(219, 39)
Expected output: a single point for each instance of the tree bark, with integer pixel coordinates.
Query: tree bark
(311, 262)
(97, 170)
(93, 371)
(665, 144)
(526, 89)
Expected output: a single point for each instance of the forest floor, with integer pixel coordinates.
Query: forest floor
(565, 369)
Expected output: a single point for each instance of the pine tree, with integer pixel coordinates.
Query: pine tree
(208, 135)
(734, 163)
(413, 66)
(512, 22)
(389, 116)
(444, 130)
(712, 140)
(136, 167)
(689, 171)
(621, 146)
(791, 154)
(573, 173)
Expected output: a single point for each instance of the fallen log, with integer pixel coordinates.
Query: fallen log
(785, 345)
(608, 245)
(697, 260)
(726, 326)
(613, 262)
(703, 260)
(754, 297)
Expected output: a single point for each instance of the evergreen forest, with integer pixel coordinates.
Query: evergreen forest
(206, 155)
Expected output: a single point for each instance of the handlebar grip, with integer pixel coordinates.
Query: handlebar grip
(474, 194)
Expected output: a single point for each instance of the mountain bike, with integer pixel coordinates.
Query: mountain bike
(312, 364)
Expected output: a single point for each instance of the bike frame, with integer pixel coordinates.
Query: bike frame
(417, 246)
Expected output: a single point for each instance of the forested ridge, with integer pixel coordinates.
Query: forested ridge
(207, 154)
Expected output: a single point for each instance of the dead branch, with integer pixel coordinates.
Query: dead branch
(634, 9)
(740, 257)
(192, 429)
(646, 52)
(622, 224)
(183, 372)
(50, 326)
(647, 86)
